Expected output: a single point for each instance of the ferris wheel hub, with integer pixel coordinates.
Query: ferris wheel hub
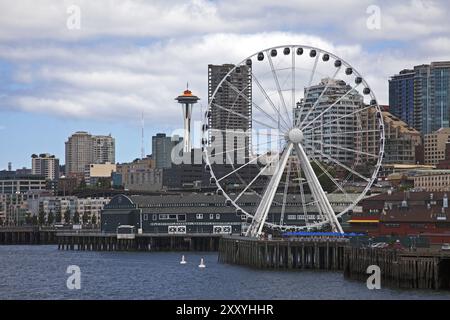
(295, 135)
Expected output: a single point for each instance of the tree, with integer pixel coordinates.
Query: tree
(94, 219)
(58, 217)
(28, 218)
(67, 216)
(41, 218)
(76, 218)
(324, 180)
(50, 218)
(34, 220)
(85, 218)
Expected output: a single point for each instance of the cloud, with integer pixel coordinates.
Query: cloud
(131, 56)
(120, 83)
(158, 19)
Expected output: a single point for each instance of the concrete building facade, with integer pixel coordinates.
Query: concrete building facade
(46, 165)
(323, 135)
(229, 110)
(434, 146)
(83, 149)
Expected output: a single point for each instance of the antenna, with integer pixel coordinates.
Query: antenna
(142, 137)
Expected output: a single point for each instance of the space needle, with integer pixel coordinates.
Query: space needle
(187, 100)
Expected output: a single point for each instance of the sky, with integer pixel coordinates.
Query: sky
(96, 66)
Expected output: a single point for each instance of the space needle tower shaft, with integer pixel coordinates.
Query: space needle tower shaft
(187, 100)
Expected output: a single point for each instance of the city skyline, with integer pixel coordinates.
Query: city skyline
(101, 77)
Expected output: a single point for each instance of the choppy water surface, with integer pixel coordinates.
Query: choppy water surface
(39, 272)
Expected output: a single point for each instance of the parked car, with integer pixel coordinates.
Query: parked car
(445, 247)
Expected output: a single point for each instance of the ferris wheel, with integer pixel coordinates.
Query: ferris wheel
(306, 123)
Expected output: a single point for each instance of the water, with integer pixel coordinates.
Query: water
(39, 272)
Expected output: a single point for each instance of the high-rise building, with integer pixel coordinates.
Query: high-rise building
(46, 165)
(323, 139)
(401, 141)
(430, 96)
(401, 96)
(434, 146)
(79, 152)
(162, 149)
(230, 110)
(83, 149)
(104, 148)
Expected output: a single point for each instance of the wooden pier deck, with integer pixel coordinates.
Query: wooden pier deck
(98, 241)
(422, 269)
(283, 254)
(27, 235)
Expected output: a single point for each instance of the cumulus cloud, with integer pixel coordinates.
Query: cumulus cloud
(134, 56)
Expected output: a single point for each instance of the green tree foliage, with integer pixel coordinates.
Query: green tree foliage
(67, 216)
(76, 218)
(50, 218)
(41, 218)
(58, 217)
(94, 219)
(28, 218)
(325, 181)
(85, 218)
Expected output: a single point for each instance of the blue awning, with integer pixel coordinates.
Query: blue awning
(320, 234)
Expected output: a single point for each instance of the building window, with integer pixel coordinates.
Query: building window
(199, 216)
(163, 217)
(211, 216)
(145, 217)
(155, 217)
(218, 216)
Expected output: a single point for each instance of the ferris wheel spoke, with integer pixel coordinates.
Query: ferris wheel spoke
(327, 173)
(316, 189)
(266, 96)
(328, 108)
(286, 188)
(277, 82)
(248, 101)
(336, 146)
(343, 165)
(293, 78)
(313, 72)
(253, 181)
(320, 97)
(243, 148)
(242, 166)
(241, 115)
(337, 119)
(302, 194)
(263, 208)
(342, 133)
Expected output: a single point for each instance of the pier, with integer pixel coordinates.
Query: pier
(97, 241)
(320, 254)
(422, 269)
(27, 235)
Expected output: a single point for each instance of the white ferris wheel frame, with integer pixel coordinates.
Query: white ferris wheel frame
(259, 219)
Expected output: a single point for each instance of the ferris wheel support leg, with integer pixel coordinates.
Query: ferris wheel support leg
(262, 211)
(316, 189)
